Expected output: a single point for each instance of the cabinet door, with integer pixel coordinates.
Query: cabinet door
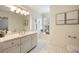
(0, 48)
(15, 49)
(10, 43)
(12, 46)
(33, 40)
(25, 44)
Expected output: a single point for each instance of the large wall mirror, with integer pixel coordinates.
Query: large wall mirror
(3, 23)
(13, 21)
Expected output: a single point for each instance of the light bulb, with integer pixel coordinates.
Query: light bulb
(21, 12)
(24, 12)
(27, 13)
(18, 10)
(12, 8)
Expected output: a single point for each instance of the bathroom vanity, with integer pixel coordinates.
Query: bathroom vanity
(16, 35)
(18, 42)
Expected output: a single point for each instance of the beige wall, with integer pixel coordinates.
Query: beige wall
(59, 33)
(15, 22)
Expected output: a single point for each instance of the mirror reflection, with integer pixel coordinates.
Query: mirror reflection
(13, 20)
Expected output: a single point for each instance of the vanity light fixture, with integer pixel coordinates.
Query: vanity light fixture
(12, 8)
(22, 12)
(27, 13)
(18, 10)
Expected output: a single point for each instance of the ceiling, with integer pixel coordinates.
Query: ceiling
(41, 9)
(4, 8)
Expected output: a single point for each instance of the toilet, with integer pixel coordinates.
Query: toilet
(73, 48)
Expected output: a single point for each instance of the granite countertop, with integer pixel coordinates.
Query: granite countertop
(14, 36)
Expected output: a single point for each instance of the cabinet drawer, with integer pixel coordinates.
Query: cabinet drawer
(33, 40)
(34, 36)
(0, 45)
(26, 46)
(10, 43)
(15, 49)
(0, 49)
(24, 39)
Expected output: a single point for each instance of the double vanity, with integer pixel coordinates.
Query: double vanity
(18, 42)
(16, 33)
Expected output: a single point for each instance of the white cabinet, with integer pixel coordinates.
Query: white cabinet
(11, 46)
(15, 49)
(19, 45)
(33, 40)
(0, 48)
(25, 44)
(10, 43)
(28, 42)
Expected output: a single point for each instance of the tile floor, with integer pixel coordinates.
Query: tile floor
(40, 48)
(44, 46)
